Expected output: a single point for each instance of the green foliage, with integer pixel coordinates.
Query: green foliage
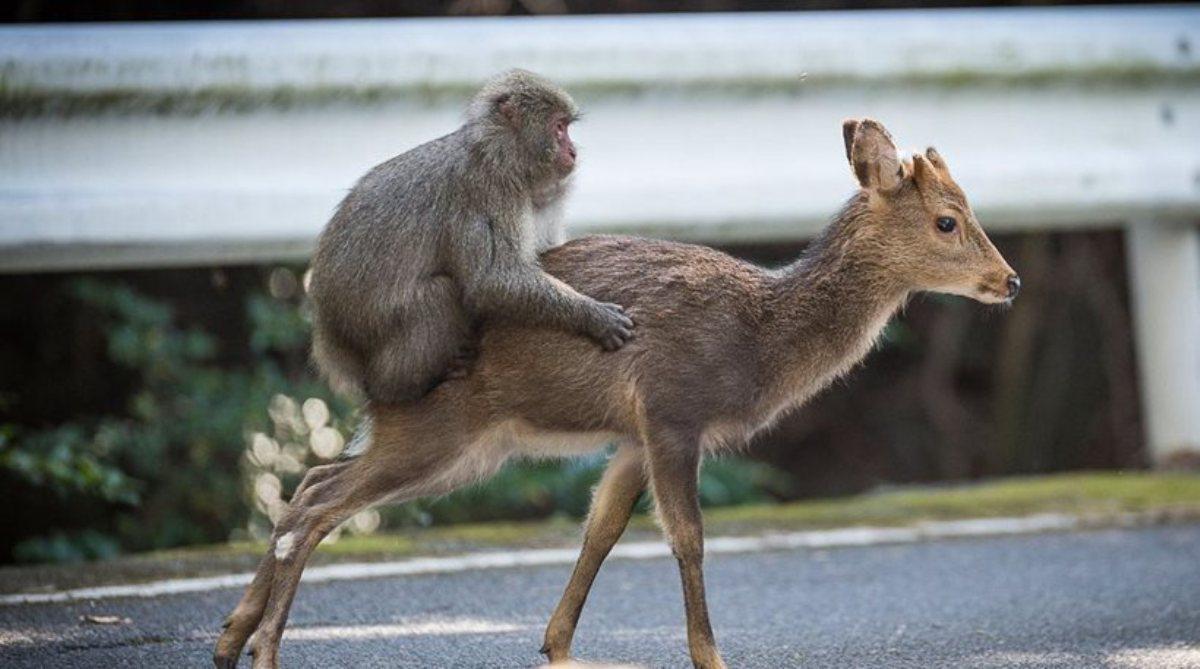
(523, 489)
(276, 325)
(67, 547)
(66, 461)
(732, 481)
(167, 470)
(541, 488)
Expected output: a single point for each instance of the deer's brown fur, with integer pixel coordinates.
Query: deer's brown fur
(723, 347)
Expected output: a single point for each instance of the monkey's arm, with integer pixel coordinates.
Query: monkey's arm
(500, 280)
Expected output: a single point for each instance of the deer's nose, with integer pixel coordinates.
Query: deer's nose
(1014, 286)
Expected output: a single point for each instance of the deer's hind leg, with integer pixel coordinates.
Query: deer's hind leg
(401, 464)
(612, 504)
(249, 611)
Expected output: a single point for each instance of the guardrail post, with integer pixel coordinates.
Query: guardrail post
(1164, 266)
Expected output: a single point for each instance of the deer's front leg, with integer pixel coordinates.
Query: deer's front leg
(612, 504)
(674, 470)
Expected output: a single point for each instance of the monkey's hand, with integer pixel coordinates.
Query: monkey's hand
(611, 327)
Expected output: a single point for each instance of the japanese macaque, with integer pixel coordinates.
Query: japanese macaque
(445, 235)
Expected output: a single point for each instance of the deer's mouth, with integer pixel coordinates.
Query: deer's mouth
(989, 294)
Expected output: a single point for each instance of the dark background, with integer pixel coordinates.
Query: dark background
(157, 10)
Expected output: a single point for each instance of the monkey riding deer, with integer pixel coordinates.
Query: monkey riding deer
(446, 234)
(723, 348)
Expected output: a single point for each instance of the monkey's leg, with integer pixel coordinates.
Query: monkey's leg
(612, 504)
(398, 466)
(416, 356)
(245, 617)
(674, 472)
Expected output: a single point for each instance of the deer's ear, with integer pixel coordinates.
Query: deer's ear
(874, 157)
(849, 129)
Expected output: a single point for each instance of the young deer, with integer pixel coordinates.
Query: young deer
(723, 347)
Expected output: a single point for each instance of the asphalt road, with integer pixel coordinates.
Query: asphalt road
(1112, 598)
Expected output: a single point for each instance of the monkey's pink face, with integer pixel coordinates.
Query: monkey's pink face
(564, 148)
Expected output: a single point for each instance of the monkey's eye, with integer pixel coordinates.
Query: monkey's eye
(946, 224)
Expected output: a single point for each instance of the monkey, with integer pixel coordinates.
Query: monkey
(432, 242)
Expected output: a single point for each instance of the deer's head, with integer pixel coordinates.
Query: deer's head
(920, 221)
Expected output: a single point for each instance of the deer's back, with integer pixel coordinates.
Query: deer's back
(699, 313)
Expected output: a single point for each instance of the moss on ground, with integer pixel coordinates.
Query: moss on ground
(1084, 493)
(1097, 496)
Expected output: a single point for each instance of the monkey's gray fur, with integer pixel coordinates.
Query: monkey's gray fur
(433, 240)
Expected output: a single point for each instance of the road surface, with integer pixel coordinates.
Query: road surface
(1109, 598)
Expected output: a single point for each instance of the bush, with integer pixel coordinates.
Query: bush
(166, 472)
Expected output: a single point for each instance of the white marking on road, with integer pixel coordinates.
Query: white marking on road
(422, 628)
(283, 546)
(1178, 657)
(641, 550)
(416, 627)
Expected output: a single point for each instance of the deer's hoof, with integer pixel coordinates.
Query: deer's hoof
(555, 655)
(264, 658)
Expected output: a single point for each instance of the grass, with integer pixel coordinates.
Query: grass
(432, 541)
(1101, 497)
(1081, 494)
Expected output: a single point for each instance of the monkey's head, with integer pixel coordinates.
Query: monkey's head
(533, 117)
(924, 229)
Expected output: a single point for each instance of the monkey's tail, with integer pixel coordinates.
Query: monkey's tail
(361, 441)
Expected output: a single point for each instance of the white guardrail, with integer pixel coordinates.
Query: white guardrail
(140, 145)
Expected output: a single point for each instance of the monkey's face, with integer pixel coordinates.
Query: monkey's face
(539, 115)
(562, 147)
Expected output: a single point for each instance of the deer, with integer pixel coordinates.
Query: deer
(722, 348)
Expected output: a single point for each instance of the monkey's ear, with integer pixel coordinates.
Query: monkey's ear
(508, 109)
(874, 157)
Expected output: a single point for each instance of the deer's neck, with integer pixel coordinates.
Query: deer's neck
(831, 305)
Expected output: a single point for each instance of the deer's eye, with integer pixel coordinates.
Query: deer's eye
(946, 224)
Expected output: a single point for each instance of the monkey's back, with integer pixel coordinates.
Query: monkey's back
(383, 240)
(389, 226)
